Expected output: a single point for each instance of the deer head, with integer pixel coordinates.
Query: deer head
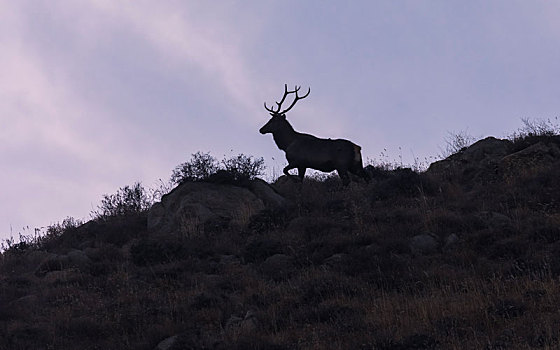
(279, 116)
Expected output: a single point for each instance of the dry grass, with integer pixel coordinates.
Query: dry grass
(352, 281)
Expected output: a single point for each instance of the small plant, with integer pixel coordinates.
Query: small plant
(11, 246)
(534, 131)
(127, 200)
(536, 128)
(40, 238)
(455, 142)
(162, 188)
(58, 229)
(55, 231)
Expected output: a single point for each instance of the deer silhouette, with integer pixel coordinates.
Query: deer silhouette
(307, 151)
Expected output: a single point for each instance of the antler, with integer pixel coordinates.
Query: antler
(286, 93)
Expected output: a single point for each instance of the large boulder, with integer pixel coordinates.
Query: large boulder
(269, 196)
(540, 153)
(476, 164)
(480, 154)
(488, 149)
(423, 244)
(197, 207)
(492, 160)
(58, 262)
(278, 266)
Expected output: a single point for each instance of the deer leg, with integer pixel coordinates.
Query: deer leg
(301, 173)
(361, 173)
(287, 169)
(344, 176)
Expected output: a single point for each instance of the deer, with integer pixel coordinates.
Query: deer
(305, 151)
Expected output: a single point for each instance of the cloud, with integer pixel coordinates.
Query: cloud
(195, 37)
(51, 139)
(67, 133)
(97, 94)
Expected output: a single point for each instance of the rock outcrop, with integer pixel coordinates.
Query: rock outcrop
(195, 208)
(491, 160)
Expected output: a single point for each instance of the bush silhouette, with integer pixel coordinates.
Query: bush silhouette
(126, 201)
(203, 167)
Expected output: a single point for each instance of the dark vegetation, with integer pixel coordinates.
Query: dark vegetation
(465, 255)
(204, 166)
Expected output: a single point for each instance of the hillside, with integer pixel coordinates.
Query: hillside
(465, 255)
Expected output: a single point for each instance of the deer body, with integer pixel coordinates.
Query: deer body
(307, 151)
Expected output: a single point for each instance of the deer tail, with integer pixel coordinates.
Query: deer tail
(357, 154)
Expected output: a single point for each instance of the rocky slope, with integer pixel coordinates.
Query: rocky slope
(465, 255)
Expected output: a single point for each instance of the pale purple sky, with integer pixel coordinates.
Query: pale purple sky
(96, 95)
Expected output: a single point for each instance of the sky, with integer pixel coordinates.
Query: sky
(99, 94)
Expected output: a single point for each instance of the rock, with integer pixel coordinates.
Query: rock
(86, 244)
(194, 208)
(229, 260)
(423, 244)
(25, 302)
(539, 150)
(493, 219)
(372, 248)
(336, 206)
(71, 275)
(157, 217)
(317, 226)
(250, 322)
(53, 263)
(260, 248)
(91, 252)
(267, 194)
(37, 257)
(168, 343)
(450, 241)
(278, 266)
(75, 258)
(285, 185)
(212, 280)
(233, 322)
(78, 258)
(534, 155)
(488, 148)
(476, 164)
(334, 260)
(190, 339)
(239, 325)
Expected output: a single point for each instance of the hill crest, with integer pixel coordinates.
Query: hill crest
(411, 260)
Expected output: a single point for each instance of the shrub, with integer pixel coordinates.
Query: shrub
(244, 167)
(58, 229)
(161, 188)
(10, 246)
(536, 127)
(203, 166)
(456, 142)
(57, 232)
(534, 131)
(200, 167)
(126, 201)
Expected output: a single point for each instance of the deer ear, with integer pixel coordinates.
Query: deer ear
(283, 116)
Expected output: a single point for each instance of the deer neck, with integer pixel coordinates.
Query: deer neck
(284, 136)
